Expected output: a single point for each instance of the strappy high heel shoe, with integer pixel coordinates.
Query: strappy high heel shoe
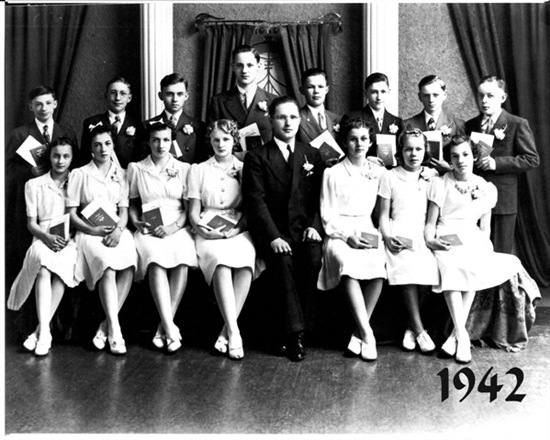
(159, 339)
(100, 338)
(220, 346)
(235, 353)
(174, 344)
(117, 346)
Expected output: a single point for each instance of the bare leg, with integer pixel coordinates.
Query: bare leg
(242, 278)
(410, 297)
(358, 298)
(225, 296)
(108, 294)
(455, 302)
(160, 289)
(124, 279)
(178, 282)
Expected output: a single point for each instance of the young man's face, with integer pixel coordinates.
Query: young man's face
(286, 121)
(376, 95)
(246, 68)
(173, 97)
(315, 90)
(43, 107)
(118, 96)
(432, 97)
(490, 97)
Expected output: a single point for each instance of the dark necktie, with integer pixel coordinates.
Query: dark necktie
(322, 123)
(244, 101)
(431, 124)
(380, 123)
(46, 135)
(290, 159)
(117, 124)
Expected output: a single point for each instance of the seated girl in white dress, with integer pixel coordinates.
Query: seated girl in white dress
(50, 261)
(353, 252)
(403, 206)
(106, 254)
(226, 255)
(166, 249)
(457, 230)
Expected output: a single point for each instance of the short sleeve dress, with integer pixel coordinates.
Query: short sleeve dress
(46, 201)
(407, 191)
(348, 198)
(85, 185)
(166, 188)
(471, 265)
(219, 190)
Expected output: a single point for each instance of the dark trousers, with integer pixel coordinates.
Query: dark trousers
(293, 282)
(503, 228)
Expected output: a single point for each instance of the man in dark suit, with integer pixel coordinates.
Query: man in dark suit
(42, 102)
(281, 186)
(246, 103)
(187, 131)
(432, 93)
(514, 152)
(128, 147)
(314, 117)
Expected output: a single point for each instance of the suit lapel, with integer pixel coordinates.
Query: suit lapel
(277, 163)
(251, 116)
(368, 116)
(310, 125)
(443, 120)
(501, 122)
(235, 107)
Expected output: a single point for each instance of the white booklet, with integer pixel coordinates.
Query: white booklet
(99, 213)
(327, 146)
(32, 150)
(249, 137)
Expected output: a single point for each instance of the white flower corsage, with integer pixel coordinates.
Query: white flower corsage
(262, 105)
(171, 173)
(130, 131)
(499, 132)
(92, 126)
(393, 128)
(234, 173)
(187, 129)
(476, 193)
(336, 128)
(445, 130)
(308, 167)
(114, 176)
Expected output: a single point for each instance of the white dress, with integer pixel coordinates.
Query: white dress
(472, 265)
(407, 192)
(87, 184)
(220, 191)
(348, 198)
(168, 187)
(45, 201)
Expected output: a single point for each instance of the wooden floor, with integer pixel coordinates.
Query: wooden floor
(77, 390)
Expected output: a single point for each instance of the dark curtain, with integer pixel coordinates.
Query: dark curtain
(220, 40)
(41, 43)
(511, 41)
(306, 46)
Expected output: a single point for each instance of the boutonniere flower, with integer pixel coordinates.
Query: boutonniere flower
(308, 167)
(336, 128)
(262, 105)
(188, 129)
(171, 173)
(92, 126)
(445, 130)
(130, 131)
(393, 128)
(499, 132)
(234, 173)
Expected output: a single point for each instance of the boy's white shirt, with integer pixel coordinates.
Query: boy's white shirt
(435, 116)
(121, 115)
(316, 110)
(494, 117)
(40, 126)
(177, 114)
(378, 114)
(249, 93)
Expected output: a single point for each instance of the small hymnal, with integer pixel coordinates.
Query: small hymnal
(249, 137)
(372, 239)
(451, 238)
(214, 220)
(405, 241)
(386, 149)
(327, 146)
(32, 151)
(60, 226)
(152, 214)
(435, 143)
(98, 214)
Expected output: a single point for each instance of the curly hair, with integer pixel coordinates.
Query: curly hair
(227, 126)
(457, 139)
(408, 134)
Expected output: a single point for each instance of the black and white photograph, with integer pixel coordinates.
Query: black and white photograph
(276, 218)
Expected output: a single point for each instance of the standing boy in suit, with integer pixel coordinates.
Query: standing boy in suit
(315, 119)
(514, 152)
(432, 93)
(281, 186)
(187, 131)
(43, 128)
(246, 103)
(118, 94)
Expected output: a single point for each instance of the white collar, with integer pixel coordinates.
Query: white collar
(282, 146)
(41, 125)
(177, 115)
(249, 93)
(112, 116)
(494, 117)
(316, 110)
(377, 114)
(435, 116)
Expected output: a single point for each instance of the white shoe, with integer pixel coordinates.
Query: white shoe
(463, 350)
(117, 346)
(30, 342)
(100, 338)
(220, 346)
(354, 345)
(160, 338)
(409, 340)
(425, 342)
(368, 351)
(43, 345)
(449, 347)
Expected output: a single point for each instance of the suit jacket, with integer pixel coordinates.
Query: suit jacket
(419, 121)
(228, 105)
(128, 147)
(366, 115)
(514, 154)
(191, 145)
(309, 125)
(278, 202)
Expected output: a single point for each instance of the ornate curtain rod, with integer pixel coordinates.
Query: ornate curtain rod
(203, 20)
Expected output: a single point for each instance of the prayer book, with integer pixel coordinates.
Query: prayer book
(99, 214)
(327, 146)
(60, 226)
(386, 148)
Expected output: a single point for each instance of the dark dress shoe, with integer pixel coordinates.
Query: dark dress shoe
(294, 349)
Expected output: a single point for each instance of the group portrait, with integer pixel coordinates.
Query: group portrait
(280, 218)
